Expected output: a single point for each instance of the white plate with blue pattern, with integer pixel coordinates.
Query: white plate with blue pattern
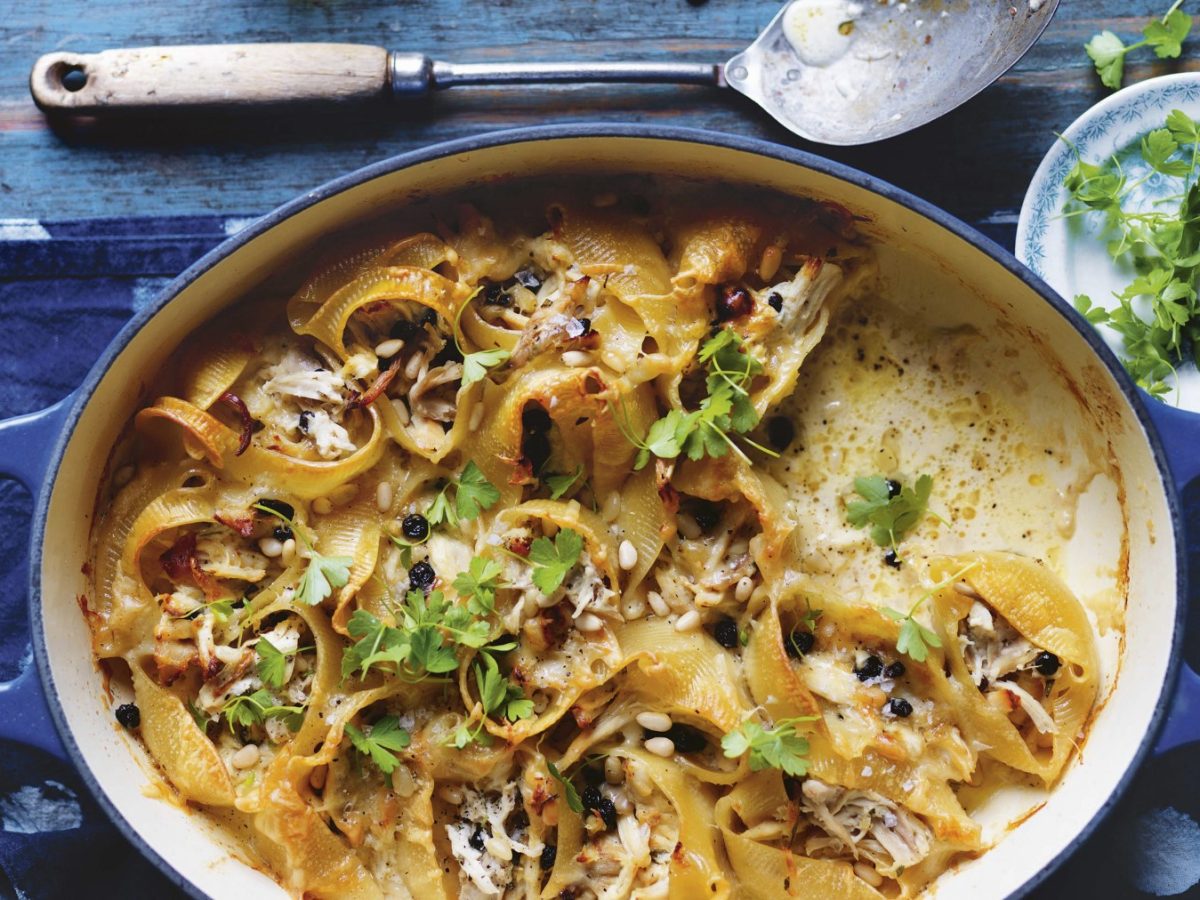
(1069, 253)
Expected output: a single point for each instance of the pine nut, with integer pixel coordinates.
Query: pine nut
(343, 494)
(660, 746)
(316, 777)
(498, 849)
(612, 507)
(658, 604)
(476, 417)
(633, 608)
(588, 622)
(688, 526)
(123, 476)
(389, 348)
(745, 587)
(270, 547)
(383, 496)
(246, 757)
(322, 506)
(614, 772)
(689, 621)
(288, 555)
(622, 804)
(401, 411)
(769, 264)
(413, 368)
(545, 601)
(451, 794)
(576, 359)
(627, 555)
(654, 721)
(402, 781)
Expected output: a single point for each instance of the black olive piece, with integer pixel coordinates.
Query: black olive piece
(608, 812)
(781, 431)
(894, 670)
(799, 643)
(872, 667)
(549, 855)
(527, 279)
(1046, 663)
(305, 418)
(590, 797)
(893, 488)
(404, 329)
(129, 715)
(775, 299)
(900, 707)
(686, 738)
(476, 839)
(286, 510)
(282, 533)
(585, 324)
(415, 527)
(422, 576)
(890, 558)
(733, 303)
(706, 513)
(726, 633)
(429, 317)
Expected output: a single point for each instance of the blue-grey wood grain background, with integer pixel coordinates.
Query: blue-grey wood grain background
(92, 223)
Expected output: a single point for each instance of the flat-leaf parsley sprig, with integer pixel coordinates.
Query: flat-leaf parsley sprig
(381, 742)
(1165, 36)
(726, 408)
(323, 573)
(777, 747)
(890, 509)
(473, 493)
(475, 365)
(915, 639)
(1158, 314)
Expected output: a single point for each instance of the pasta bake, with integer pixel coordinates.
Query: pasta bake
(577, 544)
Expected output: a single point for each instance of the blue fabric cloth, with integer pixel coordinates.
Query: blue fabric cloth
(65, 290)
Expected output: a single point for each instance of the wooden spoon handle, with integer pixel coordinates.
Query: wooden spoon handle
(218, 75)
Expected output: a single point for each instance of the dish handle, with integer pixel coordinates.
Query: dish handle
(1180, 433)
(26, 445)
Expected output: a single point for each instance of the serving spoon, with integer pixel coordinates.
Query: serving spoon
(832, 71)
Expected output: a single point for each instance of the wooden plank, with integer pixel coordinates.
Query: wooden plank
(975, 162)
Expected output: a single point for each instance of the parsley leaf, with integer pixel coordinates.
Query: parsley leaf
(499, 695)
(247, 710)
(778, 747)
(479, 584)
(321, 576)
(1165, 36)
(574, 803)
(271, 665)
(476, 365)
(560, 484)
(473, 493)
(380, 742)
(552, 561)
(889, 517)
(915, 639)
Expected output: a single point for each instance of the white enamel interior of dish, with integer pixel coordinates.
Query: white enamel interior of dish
(950, 269)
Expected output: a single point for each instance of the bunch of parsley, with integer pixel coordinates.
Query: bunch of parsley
(1158, 316)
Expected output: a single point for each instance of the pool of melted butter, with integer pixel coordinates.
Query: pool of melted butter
(901, 387)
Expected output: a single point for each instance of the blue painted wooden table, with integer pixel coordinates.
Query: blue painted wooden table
(94, 221)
